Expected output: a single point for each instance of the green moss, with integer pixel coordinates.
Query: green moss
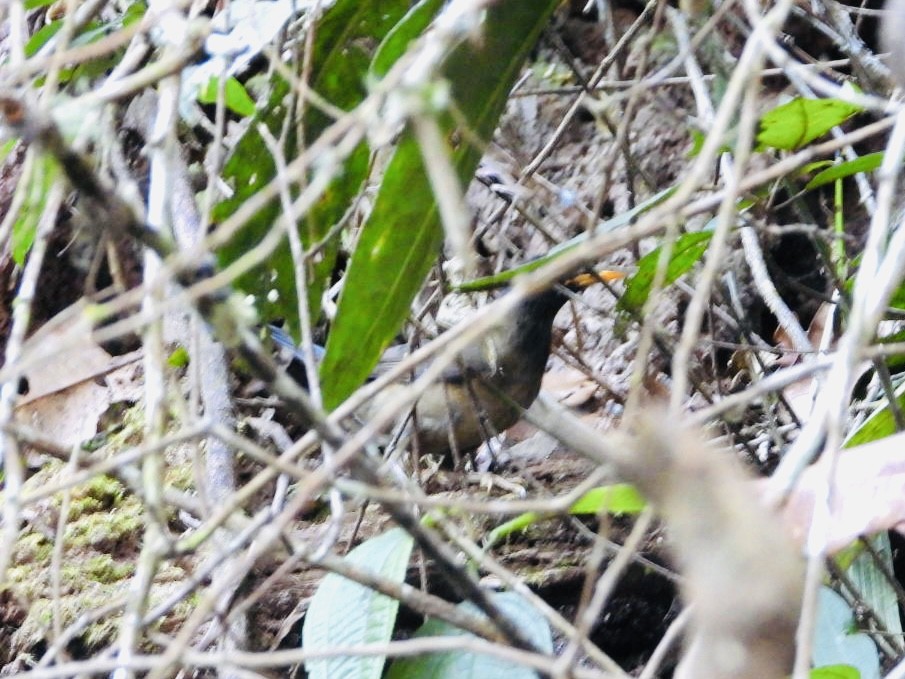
(100, 633)
(95, 635)
(169, 572)
(28, 583)
(33, 548)
(48, 474)
(109, 529)
(179, 476)
(172, 621)
(99, 568)
(99, 494)
(119, 427)
(40, 613)
(104, 530)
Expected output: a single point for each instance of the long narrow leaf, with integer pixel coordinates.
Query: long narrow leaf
(407, 30)
(402, 237)
(686, 252)
(342, 53)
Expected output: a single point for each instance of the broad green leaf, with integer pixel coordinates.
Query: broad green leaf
(344, 39)
(801, 121)
(686, 252)
(617, 499)
(402, 237)
(837, 641)
(398, 40)
(465, 665)
(234, 94)
(872, 586)
(345, 613)
(865, 574)
(865, 163)
(249, 168)
(835, 672)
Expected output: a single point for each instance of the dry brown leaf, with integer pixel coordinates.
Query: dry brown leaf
(868, 493)
(72, 381)
(570, 386)
(815, 335)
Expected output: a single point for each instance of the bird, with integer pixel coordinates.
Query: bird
(493, 380)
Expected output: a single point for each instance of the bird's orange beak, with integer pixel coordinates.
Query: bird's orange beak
(583, 280)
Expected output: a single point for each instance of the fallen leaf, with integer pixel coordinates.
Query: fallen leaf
(72, 381)
(867, 495)
(570, 386)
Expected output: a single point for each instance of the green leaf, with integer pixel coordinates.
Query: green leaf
(465, 665)
(697, 143)
(846, 557)
(36, 186)
(93, 68)
(836, 644)
(617, 499)
(235, 96)
(41, 36)
(897, 301)
(343, 612)
(402, 237)
(865, 163)
(178, 358)
(94, 31)
(91, 32)
(686, 252)
(801, 121)
(134, 12)
(398, 40)
(347, 38)
(396, 249)
(896, 362)
(861, 566)
(873, 587)
(344, 37)
(7, 147)
(835, 672)
(879, 424)
(816, 165)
